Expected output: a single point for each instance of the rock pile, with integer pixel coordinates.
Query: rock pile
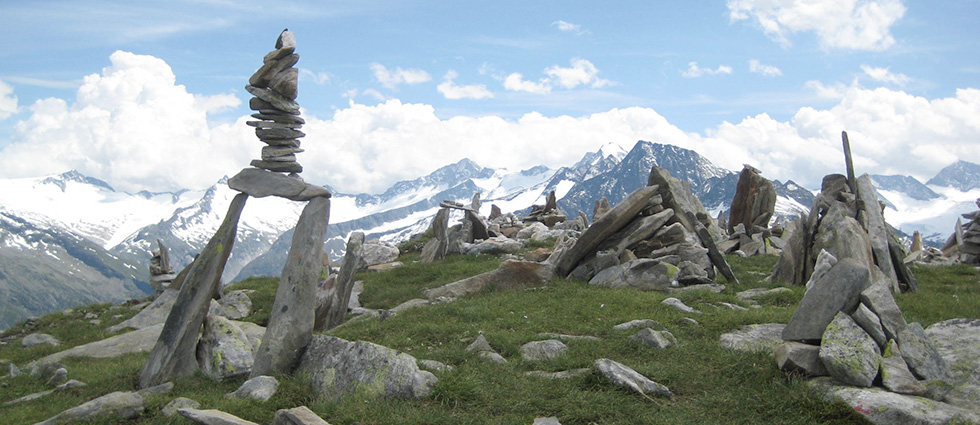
(548, 214)
(274, 86)
(161, 273)
(964, 244)
(752, 208)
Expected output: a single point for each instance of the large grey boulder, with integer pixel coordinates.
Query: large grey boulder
(301, 415)
(543, 350)
(337, 367)
(235, 305)
(877, 228)
(795, 357)
(494, 246)
(510, 274)
(224, 350)
(879, 299)
(587, 269)
(258, 388)
(849, 353)
(153, 314)
(761, 337)
(438, 246)
(958, 342)
(883, 407)
(376, 252)
(212, 417)
(174, 353)
(837, 290)
(643, 273)
(841, 235)
(122, 405)
(922, 357)
(36, 339)
(755, 200)
(293, 312)
(623, 376)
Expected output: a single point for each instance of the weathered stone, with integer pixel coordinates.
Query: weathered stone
(530, 230)
(679, 305)
(623, 376)
(235, 305)
(755, 199)
(876, 227)
(868, 321)
(640, 323)
(838, 290)
(293, 312)
(537, 255)
(59, 377)
(479, 344)
(922, 357)
(654, 339)
(153, 314)
(495, 212)
(174, 353)
(495, 246)
(285, 83)
(795, 357)
(179, 403)
(883, 407)
(337, 367)
(438, 246)
(301, 415)
(849, 353)
(551, 420)
(333, 312)
(879, 299)
(212, 417)
(509, 275)
(958, 342)
(36, 339)
(542, 350)
(587, 269)
(842, 236)
(640, 229)
(434, 366)
(261, 183)
(603, 227)
(755, 293)
(566, 337)
(260, 387)
(492, 356)
(563, 374)
(275, 99)
(224, 350)
(895, 373)
(644, 274)
(122, 405)
(278, 166)
(377, 252)
(762, 337)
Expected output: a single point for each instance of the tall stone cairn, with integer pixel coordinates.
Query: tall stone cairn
(274, 86)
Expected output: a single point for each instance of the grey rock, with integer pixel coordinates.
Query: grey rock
(438, 246)
(825, 261)
(285, 83)
(69, 385)
(566, 337)
(842, 236)
(688, 321)
(235, 305)
(293, 312)
(14, 371)
(277, 101)
(261, 183)
(958, 342)
(179, 403)
(156, 390)
(45, 371)
(261, 387)
(679, 305)
(36, 339)
(174, 353)
(332, 311)
(434, 366)
(492, 356)
(564, 374)
(131, 342)
(638, 230)
(868, 321)
(337, 367)
(879, 299)
(755, 293)
(731, 306)
(876, 227)
(212, 417)
(762, 337)
(895, 373)
(301, 415)
(654, 339)
(59, 377)
(644, 274)
(530, 230)
(922, 357)
(883, 407)
(849, 353)
(479, 344)
(122, 405)
(551, 420)
(795, 357)
(374, 253)
(278, 166)
(495, 246)
(715, 288)
(623, 376)
(838, 290)
(640, 323)
(543, 350)
(509, 275)
(224, 350)
(587, 269)
(153, 314)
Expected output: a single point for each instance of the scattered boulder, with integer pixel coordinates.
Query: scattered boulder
(337, 367)
(679, 305)
(623, 376)
(377, 252)
(640, 323)
(849, 353)
(179, 403)
(212, 417)
(509, 275)
(235, 305)
(36, 339)
(495, 246)
(438, 246)
(883, 407)
(224, 350)
(645, 274)
(153, 314)
(258, 388)
(301, 415)
(122, 405)
(654, 339)
(762, 337)
(542, 350)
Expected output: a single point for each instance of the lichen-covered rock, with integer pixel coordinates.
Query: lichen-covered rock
(542, 350)
(212, 417)
(337, 367)
(258, 388)
(922, 357)
(640, 323)
(301, 415)
(895, 374)
(494, 246)
(679, 305)
(958, 342)
(762, 337)
(849, 353)
(153, 314)
(837, 290)
(654, 339)
(224, 350)
(377, 252)
(235, 305)
(644, 274)
(179, 403)
(883, 407)
(868, 321)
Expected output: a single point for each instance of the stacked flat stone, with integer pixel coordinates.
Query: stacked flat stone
(274, 86)
(964, 244)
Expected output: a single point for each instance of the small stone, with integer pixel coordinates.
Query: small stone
(274, 99)
(640, 323)
(60, 377)
(796, 357)
(301, 415)
(491, 356)
(70, 385)
(258, 388)
(688, 321)
(281, 118)
(480, 344)
(542, 350)
(212, 417)
(278, 133)
(678, 304)
(654, 339)
(551, 420)
(564, 374)
(622, 375)
(761, 337)
(35, 339)
(870, 323)
(284, 167)
(434, 366)
(274, 124)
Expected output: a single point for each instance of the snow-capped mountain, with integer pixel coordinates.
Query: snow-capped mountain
(961, 175)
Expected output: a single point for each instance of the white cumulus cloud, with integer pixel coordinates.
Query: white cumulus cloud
(884, 75)
(838, 24)
(581, 73)
(450, 90)
(569, 27)
(765, 70)
(516, 82)
(392, 79)
(695, 71)
(8, 102)
(316, 77)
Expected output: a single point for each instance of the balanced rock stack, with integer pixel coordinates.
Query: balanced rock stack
(161, 273)
(964, 244)
(274, 86)
(752, 207)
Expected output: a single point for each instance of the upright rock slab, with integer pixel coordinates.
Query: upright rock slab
(293, 313)
(336, 309)
(173, 355)
(876, 227)
(836, 291)
(849, 353)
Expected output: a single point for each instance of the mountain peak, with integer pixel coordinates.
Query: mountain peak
(73, 175)
(961, 175)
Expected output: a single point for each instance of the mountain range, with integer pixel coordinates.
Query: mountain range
(71, 239)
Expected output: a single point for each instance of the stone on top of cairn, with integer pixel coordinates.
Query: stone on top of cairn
(278, 125)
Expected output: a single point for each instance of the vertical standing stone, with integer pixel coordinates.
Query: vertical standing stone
(174, 354)
(436, 248)
(291, 323)
(337, 308)
(849, 162)
(876, 229)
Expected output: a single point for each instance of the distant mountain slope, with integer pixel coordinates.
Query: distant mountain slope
(960, 175)
(905, 184)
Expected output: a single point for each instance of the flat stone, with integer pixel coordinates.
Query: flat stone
(796, 357)
(883, 407)
(922, 357)
(179, 403)
(274, 124)
(566, 337)
(550, 420)
(288, 143)
(511, 274)
(285, 83)
(262, 77)
(895, 373)
(563, 374)
(958, 342)
(36, 339)
(122, 405)
(715, 288)
(623, 376)
(434, 366)
(849, 353)
(279, 53)
(262, 183)
(213, 417)
(278, 166)
(131, 342)
(374, 253)
(868, 321)
(492, 356)
(294, 310)
(301, 415)
(280, 158)
(879, 299)
(261, 387)
(153, 314)
(838, 290)
(495, 246)
(644, 274)
(283, 118)
(542, 350)
(274, 99)
(640, 323)
(278, 133)
(654, 339)
(679, 305)
(762, 337)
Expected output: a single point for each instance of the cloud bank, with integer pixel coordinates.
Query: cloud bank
(134, 127)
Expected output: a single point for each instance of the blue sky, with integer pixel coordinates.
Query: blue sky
(149, 95)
